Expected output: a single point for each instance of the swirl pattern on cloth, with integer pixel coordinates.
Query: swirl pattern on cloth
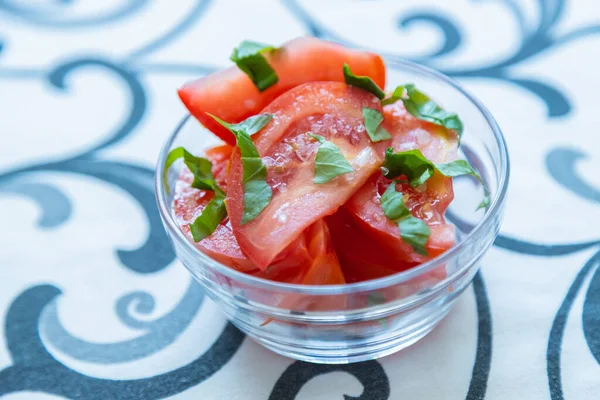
(69, 70)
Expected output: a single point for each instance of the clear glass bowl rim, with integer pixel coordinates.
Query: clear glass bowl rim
(491, 214)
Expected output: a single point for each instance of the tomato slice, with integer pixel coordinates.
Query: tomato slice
(230, 94)
(330, 109)
(361, 256)
(319, 267)
(219, 156)
(428, 203)
(308, 260)
(325, 268)
(289, 266)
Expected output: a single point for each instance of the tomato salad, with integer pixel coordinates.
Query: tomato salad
(323, 177)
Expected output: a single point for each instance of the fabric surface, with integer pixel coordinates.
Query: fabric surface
(93, 303)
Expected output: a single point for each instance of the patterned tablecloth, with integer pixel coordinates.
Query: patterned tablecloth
(93, 303)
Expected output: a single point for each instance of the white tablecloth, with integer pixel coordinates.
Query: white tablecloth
(93, 303)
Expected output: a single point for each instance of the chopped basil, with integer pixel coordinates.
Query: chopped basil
(410, 163)
(173, 156)
(249, 58)
(253, 124)
(413, 231)
(362, 82)
(396, 95)
(418, 169)
(257, 193)
(373, 120)
(200, 167)
(329, 162)
(422, 107)
(213, 213)
(457, 168)
(486, 199)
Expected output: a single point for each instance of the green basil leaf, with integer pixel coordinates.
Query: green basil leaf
(201, 169)
(213, 213)
(392, 204)
(396, 95)
(329, 162)
(252, 124)
(418, 169)
(373, 120)
(173, 156)
(249, 126)
(257, 192)
(457, 168)
(422, 107)
(253, 169)
(362, 82)
(410, 163)
(413, 231)
(462, 167)
(486, 200)
(249, 58)
(257, 195)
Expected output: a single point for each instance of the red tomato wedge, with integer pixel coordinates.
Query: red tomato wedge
(325, 268)
(428, 203)
(321, 266)
(361, 256)
(230, 94)
(330, 109)
(289, 266)
(309, 259)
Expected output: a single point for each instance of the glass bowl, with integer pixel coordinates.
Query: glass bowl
(364, 320)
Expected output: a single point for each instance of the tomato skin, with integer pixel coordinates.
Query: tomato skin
(230, 94)
(428, 203)
(325, 267)
(297, 202)
(361, 256)
(291, 266)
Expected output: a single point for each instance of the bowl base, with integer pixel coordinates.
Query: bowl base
(350, 351)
